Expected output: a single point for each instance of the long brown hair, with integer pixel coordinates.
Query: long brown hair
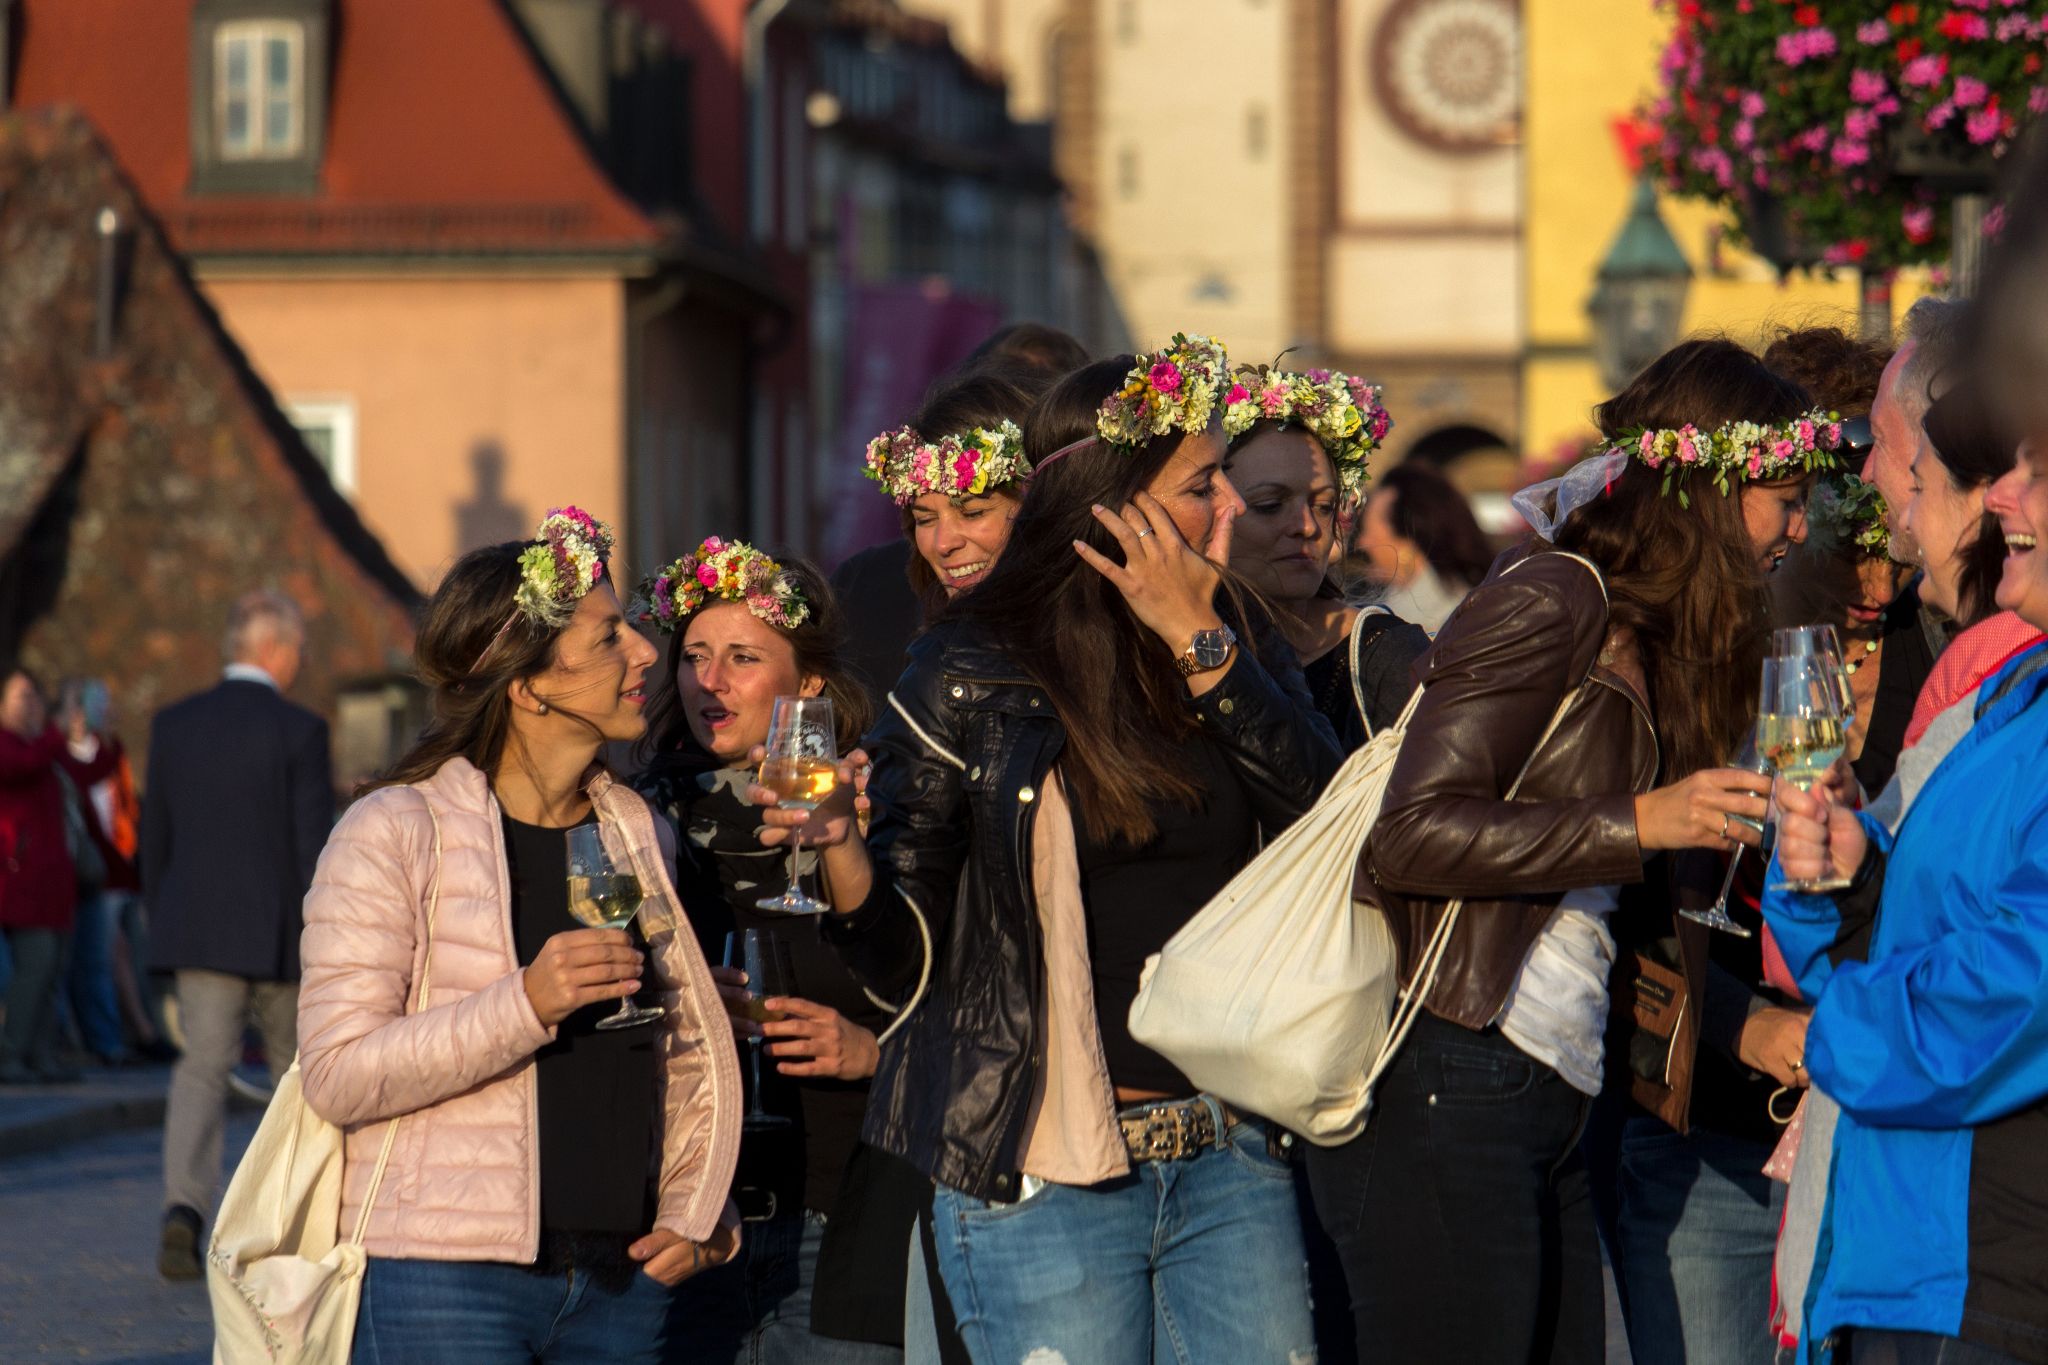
(819, 643)
(472, 646)
(1683, 579)
(1068, 629)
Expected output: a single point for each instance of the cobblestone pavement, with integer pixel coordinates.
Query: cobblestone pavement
(78, 1278)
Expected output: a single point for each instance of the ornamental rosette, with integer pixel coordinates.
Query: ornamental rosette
(1341, 411)
(726, 571)
(1814, 123)
(968, 464)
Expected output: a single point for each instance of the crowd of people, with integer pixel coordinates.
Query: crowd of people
(1143, 608)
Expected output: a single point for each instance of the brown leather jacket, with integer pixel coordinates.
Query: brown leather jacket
(1517, 645)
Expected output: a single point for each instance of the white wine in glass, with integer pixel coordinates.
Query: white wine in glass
(1801, 730)
(603, 897)
(801, 767)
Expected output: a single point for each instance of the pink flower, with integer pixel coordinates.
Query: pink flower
(2037, 100)
(2014, 26)
(1743, 135)
(1238, 393)
(1805, 430)
(1848, 153)
(1926, 70)
(1860, 124)
(1318, 376)
(1994, 221)
(1969, 92)
(1687, 453)
(1985, 125)
(1866, 86)
(1756, 464)
(1918, 222)
(963, 469)
(1752, 104)
(1273, 401)
(1873, 33)
(1940, 115)
(1165, 377)
(1781, 449)
(707, 575)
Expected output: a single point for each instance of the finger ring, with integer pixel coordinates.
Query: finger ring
(1724, 824)
(1146, 532)
(1799, 1065)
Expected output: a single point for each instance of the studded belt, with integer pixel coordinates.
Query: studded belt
(1171, 1130)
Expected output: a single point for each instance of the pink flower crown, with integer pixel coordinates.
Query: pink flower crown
(1341, 411)
(1737, 452)
(732, 571)
(1175, 387)
(967, 465)
(565, 561)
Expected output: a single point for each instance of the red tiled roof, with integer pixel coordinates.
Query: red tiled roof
(443, 135)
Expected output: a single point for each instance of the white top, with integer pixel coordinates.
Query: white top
(1557, 1009)
(249, 673)
(1426, 599)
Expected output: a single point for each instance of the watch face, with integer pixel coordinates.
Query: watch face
(1211, 648)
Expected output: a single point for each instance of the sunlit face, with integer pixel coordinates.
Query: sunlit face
(732, 667)
(1942, 520)
(961, 542)
(1390, 557)
(1193, 488)
(1774, 514)
(2020, 502)
(21, 706)
(1896, 439)
(1284, 541)
(599, 673)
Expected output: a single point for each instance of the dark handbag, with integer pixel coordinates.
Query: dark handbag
(88, 866)
(1663, 1045)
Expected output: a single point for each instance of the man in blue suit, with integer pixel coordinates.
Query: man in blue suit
(239, 804)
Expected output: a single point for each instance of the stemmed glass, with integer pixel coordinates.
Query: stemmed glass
(801, 768)
(1800, 730)
(603, 897)
(765, 960)
(1823, 642)
(1716, 916)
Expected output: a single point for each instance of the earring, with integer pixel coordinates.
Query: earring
(543, 708)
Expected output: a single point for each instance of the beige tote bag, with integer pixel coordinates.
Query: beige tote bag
(1282, 995)
(284, 1285)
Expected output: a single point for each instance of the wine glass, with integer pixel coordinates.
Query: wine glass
(603, 897)
(1824, 641)
(1715, 916)
(1800, 728)
(765, 960)
(801, 768)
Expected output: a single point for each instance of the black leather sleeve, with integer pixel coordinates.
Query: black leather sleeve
(1283, 749)
(920, 838)
(1510, 654)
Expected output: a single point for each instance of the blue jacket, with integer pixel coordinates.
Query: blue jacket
(1936, 1047)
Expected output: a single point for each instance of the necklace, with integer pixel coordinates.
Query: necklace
(1869, 648)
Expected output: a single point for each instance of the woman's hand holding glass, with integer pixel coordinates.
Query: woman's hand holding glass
(1818, 840)
(579, 967)
(817, 1040)
(1715, 808)
(827, 825)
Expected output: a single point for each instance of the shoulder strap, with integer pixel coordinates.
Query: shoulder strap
(1378, 617)
(419, 1003)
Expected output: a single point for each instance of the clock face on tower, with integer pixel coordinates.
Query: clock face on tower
(1449, 72)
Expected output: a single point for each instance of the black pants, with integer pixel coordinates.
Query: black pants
(1463, 1213)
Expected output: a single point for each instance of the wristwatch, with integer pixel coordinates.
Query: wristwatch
(1210, 651)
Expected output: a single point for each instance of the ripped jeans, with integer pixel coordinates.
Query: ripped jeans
(1179, 1263)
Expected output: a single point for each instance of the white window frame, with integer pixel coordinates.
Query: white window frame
(337, 414)
(257, 35)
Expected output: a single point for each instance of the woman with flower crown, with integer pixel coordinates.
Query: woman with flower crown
(1299, 447)
(1082, 752)
(744, 629)
(1617, 651)
(531, 1184)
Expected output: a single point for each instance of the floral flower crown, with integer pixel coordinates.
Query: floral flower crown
(1341, 411)
(1736, 452)
(962, 466)
(1847, 508)
(732, 571)
(1176, 386)
(565, 561)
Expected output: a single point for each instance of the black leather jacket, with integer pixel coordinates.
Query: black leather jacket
(960, 755)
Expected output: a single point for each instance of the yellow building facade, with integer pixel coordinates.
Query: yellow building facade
(1589, 63)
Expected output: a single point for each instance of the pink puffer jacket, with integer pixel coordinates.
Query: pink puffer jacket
(464, 1176)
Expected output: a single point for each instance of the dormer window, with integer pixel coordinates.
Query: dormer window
(259, 95)
(259, 84)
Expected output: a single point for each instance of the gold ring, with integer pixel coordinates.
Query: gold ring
(1724, 824)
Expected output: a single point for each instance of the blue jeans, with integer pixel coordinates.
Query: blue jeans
(1197, 1260)
(89, 980)
(431, 1312)
(757, 1311)
(1697, 1228)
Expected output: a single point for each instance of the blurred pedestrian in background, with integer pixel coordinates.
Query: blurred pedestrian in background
(1421, 544)
(240, 802)
(108, 805)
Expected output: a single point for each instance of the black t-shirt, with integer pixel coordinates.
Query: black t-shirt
(1903, 669)
(1136, 898)
(597, 1088)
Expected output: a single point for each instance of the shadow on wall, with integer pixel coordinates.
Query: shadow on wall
(488, 517)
